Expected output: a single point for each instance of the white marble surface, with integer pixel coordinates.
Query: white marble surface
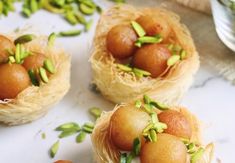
(211, 98)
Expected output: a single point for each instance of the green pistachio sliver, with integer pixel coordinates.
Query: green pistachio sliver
(124, 68)
(138, 44)
(176, 48)
(87, 129)
(185, 141)
(191, 148)
(153, 135)
(123, 158)
(138, 29)
(99, 9)
(33, 77)
(17, 53)
(130, 157)
(147, 99)
(197, 155)
(46, 5)
(96, 112)
(173, 60)
(138, 104)
(71, 18)
(11, 59)
(81, 137)
(49, 66)
(89, 125)
(136, 146)
(51, 39)
(148, 108)
(183, 54)
(85, 9)
(43, 75)
(88, 25)
(159, 106)
(80, 18)
(149, 39)
(24, 39)
(54, 149)
(68, 126)
(141, 73)
(160, 127)
(148, 127)
(68, 133)
(154, 117)
(1, 7)
(33, 5)
(170, 46)
(70, 33)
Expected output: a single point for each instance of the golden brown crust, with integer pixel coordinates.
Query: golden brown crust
(118, 86)
(106, 152)
(34, 102)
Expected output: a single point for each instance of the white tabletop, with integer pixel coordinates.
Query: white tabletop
(211, 98)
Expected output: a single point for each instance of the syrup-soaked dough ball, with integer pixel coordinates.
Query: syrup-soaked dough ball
(167, 149)
(34, 61)
(177, 123)
(5, 44)
(152, 58)
(126, 124)
(121, 41)
(13, 79)
(154, 25)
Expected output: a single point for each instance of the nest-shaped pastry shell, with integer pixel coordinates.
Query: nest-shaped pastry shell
(118, 86)
(34, 102)
(106, 152)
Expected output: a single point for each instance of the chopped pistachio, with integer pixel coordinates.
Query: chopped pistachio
(68, 126)
(149, 39)
(87, 129)
(197, 155)
(123, 158)
(173, 60)
(89, 125)
(43, 135)
(124, 68)
(159, 106)
(81, 137)
(88, 25)
(147, 99)
(136, 146)
(71, 18)
(70, 33)
(54, 149)
(68, 133)
(138, 104)
(49, 66)
(11, 59)
(87, 10)
(51, 39)
(33, 5)
(141, 73)
(96, 112)
(153, 135)
(33, 77)
(138, 29)
(148, 108)
(24, 39)
(130, 157)
(17, 53)
(43, 75)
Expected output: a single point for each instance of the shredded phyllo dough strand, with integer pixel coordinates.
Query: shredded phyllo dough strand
(118, 86)
(106, 152)
(34, 102)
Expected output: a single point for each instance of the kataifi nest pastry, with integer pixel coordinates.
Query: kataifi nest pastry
(127, 62)
(159, 135)
(34, 76)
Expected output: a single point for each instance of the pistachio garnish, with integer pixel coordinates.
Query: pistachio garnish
(86, 9)
(33, 77)
(24, 39)
(68, 126)
(54, 149)
(71, 18)
(81, 137)
(88, 127)
(88, 25)
(17, 53)
(68, 133)
(153, 135)
(152, 103)
(197, 155)
(96, 112)
(136, 146)
(49, 66)
(123, 158)
(149, 40)
(70, 33)
(11, 59)
(173, 60)
(124, 68)
(140, 73)
(138, 29)
(43, 75)
(183, 54)
(51, 39)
